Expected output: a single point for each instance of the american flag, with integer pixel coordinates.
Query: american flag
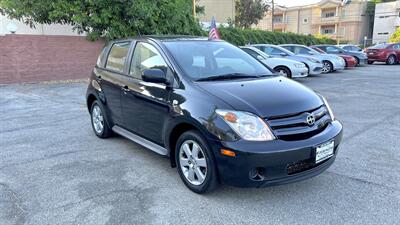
(213, 34)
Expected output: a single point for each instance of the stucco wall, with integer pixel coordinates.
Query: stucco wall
(32, 58)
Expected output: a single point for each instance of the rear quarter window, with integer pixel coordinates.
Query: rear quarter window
(101, 57)
(117, 57)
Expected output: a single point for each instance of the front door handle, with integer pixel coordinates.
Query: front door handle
(98, 78)
(125, 89)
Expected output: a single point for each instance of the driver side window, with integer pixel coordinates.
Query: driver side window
(301, 50)
(145, 57)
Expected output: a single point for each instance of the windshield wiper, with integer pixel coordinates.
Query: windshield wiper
(229, 76)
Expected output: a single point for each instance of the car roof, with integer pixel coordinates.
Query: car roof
(166, 38)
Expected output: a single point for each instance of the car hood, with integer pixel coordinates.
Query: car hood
(265, 97)
(280, 61)
(301, 58)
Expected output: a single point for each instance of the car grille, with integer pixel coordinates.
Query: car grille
(295, 127)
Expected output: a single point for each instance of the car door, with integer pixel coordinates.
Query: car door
(145, 105)
(111, 77)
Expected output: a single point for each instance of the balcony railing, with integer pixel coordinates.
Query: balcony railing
(325, 20)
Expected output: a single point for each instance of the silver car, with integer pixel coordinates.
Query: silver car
(314, 65)
(330, 62)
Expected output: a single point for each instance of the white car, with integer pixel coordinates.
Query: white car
(285, 67)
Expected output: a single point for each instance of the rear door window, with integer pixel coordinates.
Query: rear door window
(117, 56)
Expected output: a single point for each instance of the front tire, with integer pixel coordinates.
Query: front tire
(195, 163)
(358, 61)
(370, 62)
(391, 60)
(99, 121)
(327, 67)
(284, 71)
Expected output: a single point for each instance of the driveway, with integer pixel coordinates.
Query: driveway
(54, 170)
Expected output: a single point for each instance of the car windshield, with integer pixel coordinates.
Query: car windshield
(319, 50)
(380, 46)
(212, 60)
(283, 50)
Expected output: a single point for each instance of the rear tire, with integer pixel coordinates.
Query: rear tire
(284, 71)
(370, 62)
(391, 60)
(99, 120)
(195, 162)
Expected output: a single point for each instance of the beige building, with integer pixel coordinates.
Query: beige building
(346, 22)
(387, 20)
(222, 10)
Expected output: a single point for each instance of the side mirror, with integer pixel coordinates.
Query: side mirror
(311, 53)
(154, 76)
(282, 54)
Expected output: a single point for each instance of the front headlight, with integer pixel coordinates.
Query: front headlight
(299, 65)
(328, 107)
(247, 125)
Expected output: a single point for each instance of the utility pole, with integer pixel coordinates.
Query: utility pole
(272, 15)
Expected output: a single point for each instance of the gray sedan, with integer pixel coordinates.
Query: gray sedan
(314, 65)
(361, 57)
(330, 62)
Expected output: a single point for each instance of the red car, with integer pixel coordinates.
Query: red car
(350, 60)
(389, 53)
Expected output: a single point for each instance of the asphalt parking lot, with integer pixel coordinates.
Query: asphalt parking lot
(54, 170)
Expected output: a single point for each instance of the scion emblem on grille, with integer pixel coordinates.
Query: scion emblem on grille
(310, 119)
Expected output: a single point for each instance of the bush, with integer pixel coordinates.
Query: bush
(239, 37)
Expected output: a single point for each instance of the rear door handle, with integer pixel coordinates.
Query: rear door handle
(98, 78)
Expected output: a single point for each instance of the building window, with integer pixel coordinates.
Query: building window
(328, 14)
(278, 19)
(383, 33)
(305, 20)
(327, 30)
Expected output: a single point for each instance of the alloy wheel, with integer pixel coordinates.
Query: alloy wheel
(283, 72)
(193, 162)
(326, 67)
(391, 60)
(97, 119)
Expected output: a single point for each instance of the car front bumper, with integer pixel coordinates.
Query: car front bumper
(300, 72)
(314, 68)
(275, 159)
(339, 65)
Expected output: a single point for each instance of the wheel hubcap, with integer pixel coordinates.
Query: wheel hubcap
(327, 67)
(283, 73)
(193, 162)
(391, 60)
(97, 119)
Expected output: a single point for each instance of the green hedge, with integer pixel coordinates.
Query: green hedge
(239, 37)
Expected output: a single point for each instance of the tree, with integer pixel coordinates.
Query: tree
(249, 12)
(395, 36)
(109, 18)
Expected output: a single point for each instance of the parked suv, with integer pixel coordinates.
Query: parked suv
(389, 53)
(218, 113)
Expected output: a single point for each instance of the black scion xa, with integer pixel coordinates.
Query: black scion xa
(219, 114)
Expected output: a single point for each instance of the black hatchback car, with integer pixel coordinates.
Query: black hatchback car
(219, 114)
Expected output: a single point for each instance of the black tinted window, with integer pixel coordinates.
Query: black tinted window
(117, 56)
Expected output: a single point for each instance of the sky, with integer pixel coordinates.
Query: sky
(295, 2)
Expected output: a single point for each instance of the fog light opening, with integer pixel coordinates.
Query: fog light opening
(257, 174)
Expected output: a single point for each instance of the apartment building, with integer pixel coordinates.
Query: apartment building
(340, 20)
(387, 20)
